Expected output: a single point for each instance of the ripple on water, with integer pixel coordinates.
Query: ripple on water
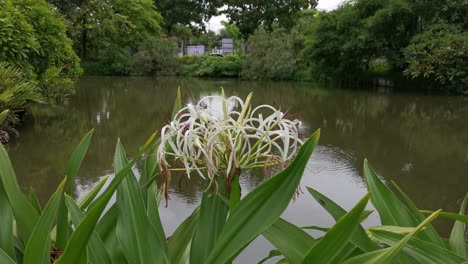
(333, 159)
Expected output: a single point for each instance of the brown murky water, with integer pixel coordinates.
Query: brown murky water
(419, 141)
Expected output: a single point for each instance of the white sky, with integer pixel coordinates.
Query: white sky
(215, 22)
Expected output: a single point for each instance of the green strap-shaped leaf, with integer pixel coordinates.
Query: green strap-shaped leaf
(337, 238)
(5, 258)
(25, 215)
(272, 254)
(83, 231)
(63, 226)
(152, 210)
(261, 207)
(37, 250)
(419, 250)
(106, 229)
(177, 103)
(457, 236)
(179, 242)
(213, 214)
(3, 116)
(359, 238)
(450, 216)
(134, 230)
(6, 225)
(91, 195)
(429, 230)
(96, 251)
(289, 239)
(35, 201)
(388, 255)
(392, 211)
(150, 165)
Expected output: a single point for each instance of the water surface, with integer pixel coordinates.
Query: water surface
(419, 141)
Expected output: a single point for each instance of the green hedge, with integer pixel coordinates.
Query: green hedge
(210, 66)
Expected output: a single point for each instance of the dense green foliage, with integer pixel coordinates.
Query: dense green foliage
(440, 53)
(33, 38)
(272, 55)
(210, 66)
(248, 15)
(186, 12)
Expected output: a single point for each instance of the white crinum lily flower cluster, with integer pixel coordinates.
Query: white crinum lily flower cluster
(224, 142)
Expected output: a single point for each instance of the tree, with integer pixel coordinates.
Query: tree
(33, 38)
(247, 15)
(440, 54)
(187, 12)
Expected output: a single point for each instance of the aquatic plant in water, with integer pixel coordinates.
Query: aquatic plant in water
(224, 141)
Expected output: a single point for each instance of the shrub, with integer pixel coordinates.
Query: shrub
(440, 54)
(210, 66)
(156, 56)
(272, 55)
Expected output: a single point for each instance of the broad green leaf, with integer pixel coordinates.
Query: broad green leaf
(179, 242)
(261, 207)
(24, 213)
(89, 197)
(289, 239)
(429, 230)
(213, 214)
(3, 116)
(450, 216)
(393, 229)
(419, 250)
(457, 236)
(345, 253)
(83, 231)
(38, 247)
(272, 254)
(150, 165)
(388, 255)
(106, 230)
(152, 210)
(392, 210)
(96, 251)
(35, 201)
(337, 238)
(63, 226)
(359, 238)
(6, 225)
(5, 258)
(235, 195)
(177, 103)
(134, 230)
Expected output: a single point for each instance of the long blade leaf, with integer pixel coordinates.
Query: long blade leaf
(96, 250)
(337, 238)
(38, 247)
(63, 226)
(261, 207)
(134, 230)
(457, 236)
(25, 215)
(83, 231)
(290, 240)
(179, 242)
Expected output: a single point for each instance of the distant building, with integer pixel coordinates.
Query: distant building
(196, 50)
(227, 45)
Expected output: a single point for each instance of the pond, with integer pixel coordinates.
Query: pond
(419, 141)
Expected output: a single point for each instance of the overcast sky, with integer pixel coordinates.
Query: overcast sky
(215, 22)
